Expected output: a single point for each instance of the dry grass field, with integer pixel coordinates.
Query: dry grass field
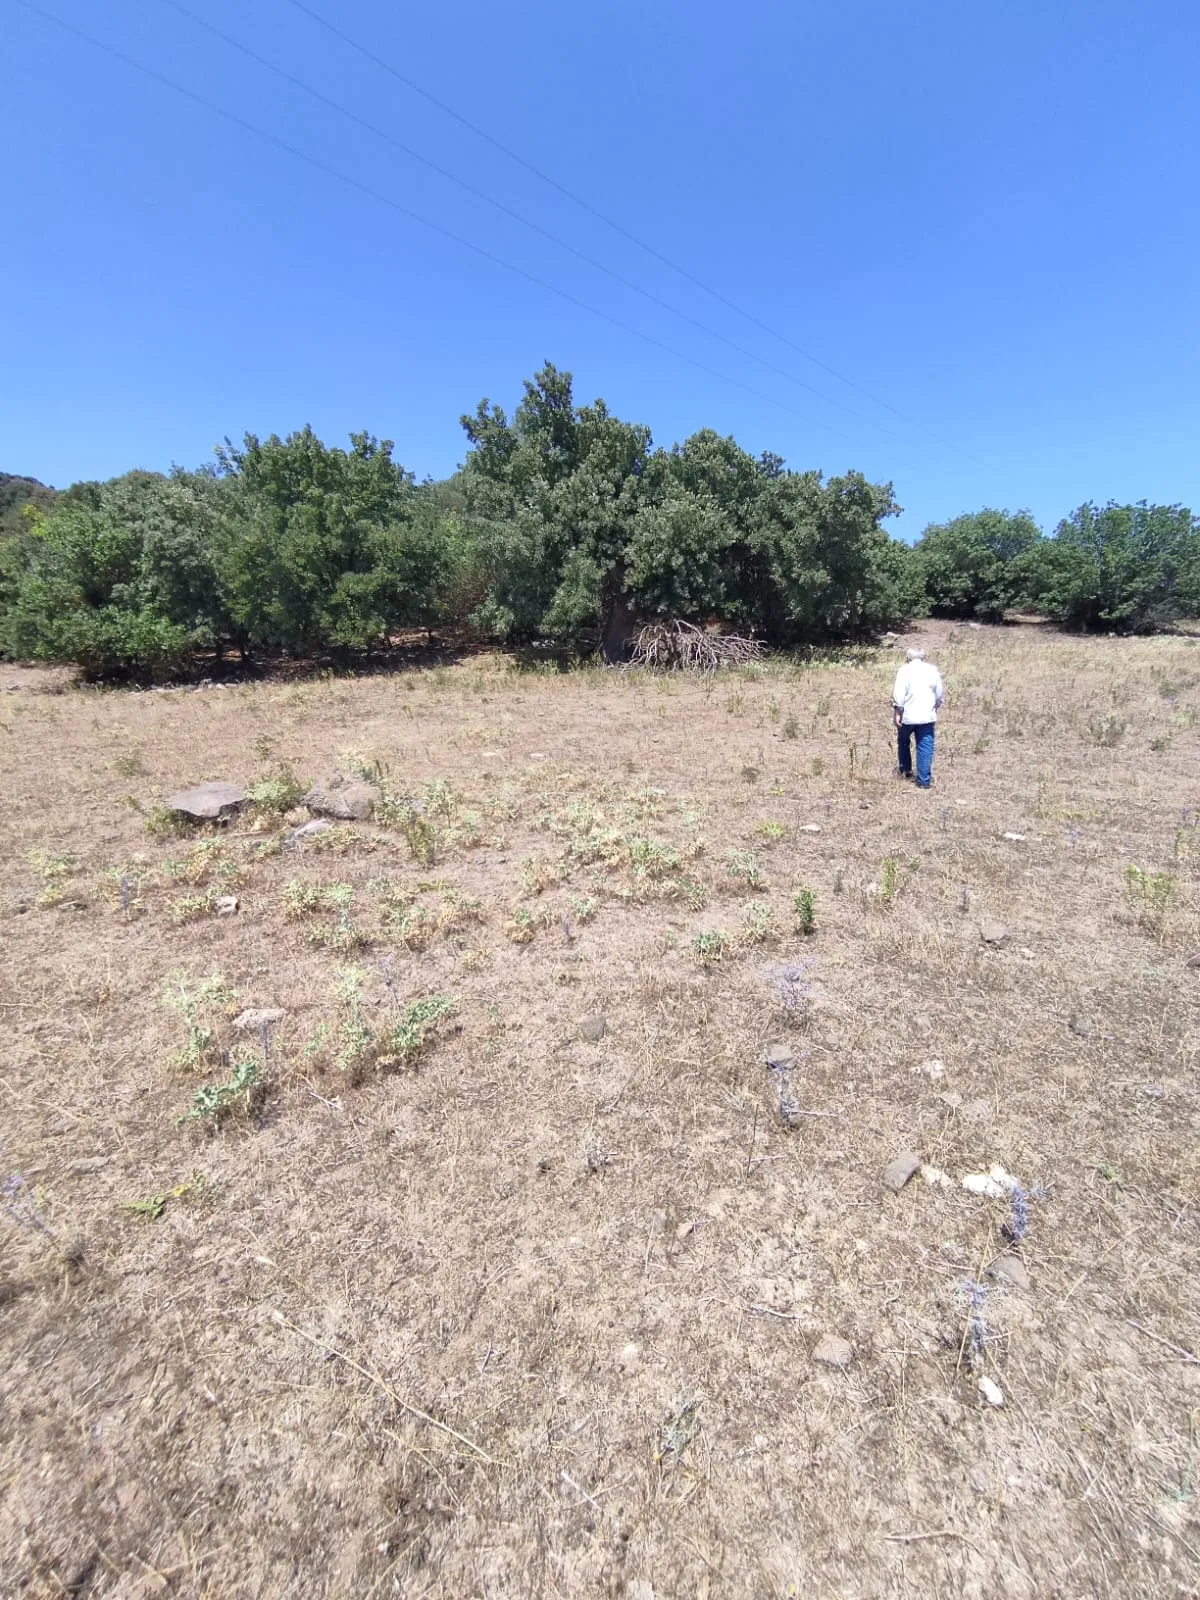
(461, 1294)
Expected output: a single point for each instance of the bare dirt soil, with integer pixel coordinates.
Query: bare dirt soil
(486, 1297)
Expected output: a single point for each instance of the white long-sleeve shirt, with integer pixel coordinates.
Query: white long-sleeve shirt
(918, 693)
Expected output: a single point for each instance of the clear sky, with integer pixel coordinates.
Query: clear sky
(984, 217)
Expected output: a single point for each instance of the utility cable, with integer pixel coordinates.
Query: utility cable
(545, 233)
(521, 161)
(413, 216)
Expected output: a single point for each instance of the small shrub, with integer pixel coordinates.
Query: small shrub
(804, 904)
(417, 1022)
(130, 764)
(303, 900)
(889, 880)
(275, 795)
(214, 1100)
(420, 836)
(791, 728)
(583, 907)
(1106, 732)
(770, 832)
(744, 866)
(355, 1037)
(195, 1002)
(710, 944)
(756, 924)
(1149, 894)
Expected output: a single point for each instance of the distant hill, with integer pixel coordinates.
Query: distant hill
(16, 493)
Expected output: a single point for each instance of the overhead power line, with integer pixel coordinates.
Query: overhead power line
(610, 222)
(413, 216)
(508, 211)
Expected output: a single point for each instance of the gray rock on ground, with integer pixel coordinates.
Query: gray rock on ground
(593, 1028)
(1009, 1269)
(779, 1057)
(833, 1351)
(307, 830)
(995, 933)
(344, 800)
(899, 1170)
(258, 1018)
(207, 802)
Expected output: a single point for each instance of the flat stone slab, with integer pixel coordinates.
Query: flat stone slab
(207, 802)
(995, 933)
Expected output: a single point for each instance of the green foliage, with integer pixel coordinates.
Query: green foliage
(585, 526)
(417, 1021)
(744, 866)
(710, 944)
(1129, 569)
(276, 795)
(195, 1002)
(1149, 894)
(889, 879)
(213, 1100)
(804, 904)
(973, 566)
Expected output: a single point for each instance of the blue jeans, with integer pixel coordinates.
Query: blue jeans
(923, 733)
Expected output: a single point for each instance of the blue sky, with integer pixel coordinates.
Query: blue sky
(985, 217)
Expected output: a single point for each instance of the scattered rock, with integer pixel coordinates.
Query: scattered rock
(1193, 960)
(833, 1352)
(995, 1184)
(658, 1221)
(348, 802)
(686, 1229)
(593, 1028)
(922, 1024)
(936, 1178)
(207, 802)
(899, 1170)
(1081, 1026)
(991, 1392)
(995, 933)
(1010, 1270)
(932, 1069)
(306, 830)
(779, 1057)
(977, 1111)
(979, 1480)
(86, 1164)
(226, 905)
(254, 1021)
(1014, 838)
(630, 1359)
(810, 827)
(951, 1100)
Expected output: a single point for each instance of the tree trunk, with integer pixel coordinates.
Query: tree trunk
(618, 625)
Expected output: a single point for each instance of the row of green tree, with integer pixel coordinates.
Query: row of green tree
(1124, 569)
(564, 522)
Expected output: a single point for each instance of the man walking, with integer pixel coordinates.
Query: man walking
(916, 699)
